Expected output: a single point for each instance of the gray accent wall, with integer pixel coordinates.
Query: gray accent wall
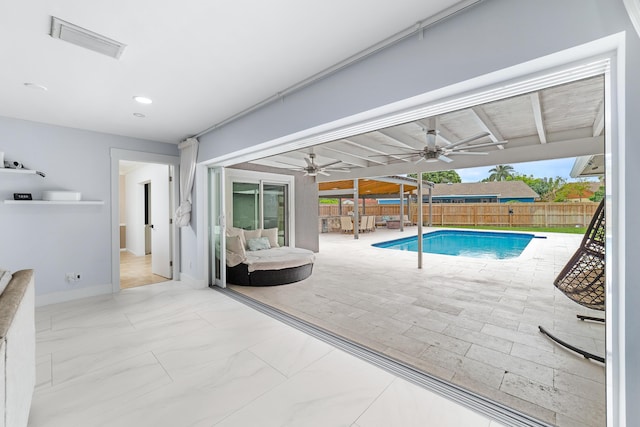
(55, 240)
(492, 36)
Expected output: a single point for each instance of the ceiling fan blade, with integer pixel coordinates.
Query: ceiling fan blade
(467, 140)
(420, 159)
(467, 147)
(444, 158)
(470, 153)
(330, 164)
(323, 173)
(338, 170)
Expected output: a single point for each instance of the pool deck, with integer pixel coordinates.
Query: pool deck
(473, 322)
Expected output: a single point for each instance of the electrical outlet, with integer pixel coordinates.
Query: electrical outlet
(72, 277)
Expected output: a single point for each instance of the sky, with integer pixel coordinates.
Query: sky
(540, 169)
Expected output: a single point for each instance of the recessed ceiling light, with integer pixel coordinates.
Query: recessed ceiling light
(139, 115)
(142, 99)
(36, 86)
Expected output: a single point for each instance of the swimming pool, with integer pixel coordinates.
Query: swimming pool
(474, 244)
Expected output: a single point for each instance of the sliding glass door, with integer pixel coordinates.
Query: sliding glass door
(275, 208)
(217, 243)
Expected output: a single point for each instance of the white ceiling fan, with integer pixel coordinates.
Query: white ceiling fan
(433, 152)
(314, 169)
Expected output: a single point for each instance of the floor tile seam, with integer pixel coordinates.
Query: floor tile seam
(466, 398)
(507, 369)
(392, 380)
(93, 371)
(173, 380)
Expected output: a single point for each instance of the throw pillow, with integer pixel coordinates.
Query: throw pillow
(233, 231)
(272, 235)
(258, 244)
(251, 234)
(235, 251)
(5, 278)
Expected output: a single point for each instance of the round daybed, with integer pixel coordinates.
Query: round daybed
(255, 259)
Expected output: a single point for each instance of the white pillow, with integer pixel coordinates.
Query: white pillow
(258, 244)
(233, 231)
(272, 235)
(235, 251)
(251, 234)
(5, 278)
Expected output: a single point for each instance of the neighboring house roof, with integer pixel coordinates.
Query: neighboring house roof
(587, 192)
(502, 189)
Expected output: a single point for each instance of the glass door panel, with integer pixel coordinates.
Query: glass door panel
(246, 205)
(275, 210)
(217, 244)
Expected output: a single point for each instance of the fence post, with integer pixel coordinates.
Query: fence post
(546, 215)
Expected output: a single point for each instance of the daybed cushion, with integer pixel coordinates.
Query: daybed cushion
(278, 258)
(251, 234)
(272, 235)
(259, 244)
(235, 250)
(233, 231)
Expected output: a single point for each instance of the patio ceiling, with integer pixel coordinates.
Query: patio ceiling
(381, 187)
(560, 121)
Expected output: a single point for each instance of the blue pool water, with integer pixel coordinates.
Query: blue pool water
(475, 244)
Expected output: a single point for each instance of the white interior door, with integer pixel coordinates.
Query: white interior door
(160, 223)
(217, 227)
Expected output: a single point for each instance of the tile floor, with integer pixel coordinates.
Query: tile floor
(136, 271)
(473, 322)
(167, 355)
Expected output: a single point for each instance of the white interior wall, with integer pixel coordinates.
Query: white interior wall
(55, 240)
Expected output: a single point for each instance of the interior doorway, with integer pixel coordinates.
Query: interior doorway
(145, 223)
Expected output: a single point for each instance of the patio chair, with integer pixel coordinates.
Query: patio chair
(363, 223)
(346, 224)
(371, 223)
(583, 278)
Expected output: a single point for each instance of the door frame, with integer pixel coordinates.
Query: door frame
(140, 156)
(497, 85)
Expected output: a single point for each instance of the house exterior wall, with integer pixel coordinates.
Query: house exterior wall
(493, 36)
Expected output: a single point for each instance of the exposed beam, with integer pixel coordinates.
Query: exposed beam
(344, 147)
(344, 157)
(598, 123)
(360, 141)
(484, 121)
(537, 116)
(335, 193)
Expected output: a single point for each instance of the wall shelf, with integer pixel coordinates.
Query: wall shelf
(54, 202)
(22, 171)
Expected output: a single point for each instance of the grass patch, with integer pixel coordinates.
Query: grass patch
(569, 230)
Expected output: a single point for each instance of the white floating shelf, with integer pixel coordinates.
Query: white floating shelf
(23, 171)
(48, 202)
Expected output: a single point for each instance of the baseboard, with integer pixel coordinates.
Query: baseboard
(192, 282)
(73, 294)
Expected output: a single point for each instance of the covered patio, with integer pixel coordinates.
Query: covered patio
(473, 322)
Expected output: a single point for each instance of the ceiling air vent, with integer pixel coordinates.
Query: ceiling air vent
(84, 38)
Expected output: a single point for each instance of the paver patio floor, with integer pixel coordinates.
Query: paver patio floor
(473, 322)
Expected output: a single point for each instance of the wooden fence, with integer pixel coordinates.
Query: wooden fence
(497, 214)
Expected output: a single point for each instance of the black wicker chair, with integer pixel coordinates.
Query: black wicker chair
(583, 278)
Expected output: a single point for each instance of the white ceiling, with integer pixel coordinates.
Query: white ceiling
(200, 61)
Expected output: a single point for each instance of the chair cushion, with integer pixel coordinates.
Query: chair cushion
(251, 234)
(272, 235)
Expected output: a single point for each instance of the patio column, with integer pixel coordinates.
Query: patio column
(340, 206)
(356, 208)
(401, 207)
(409, 205)
(430, 207)
(364, 204)
(420, 221)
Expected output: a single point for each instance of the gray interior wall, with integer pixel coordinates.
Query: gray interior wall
(306, 205)
(55, 240)
(491, 36)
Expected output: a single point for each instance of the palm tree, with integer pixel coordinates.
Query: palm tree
(501, 173)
